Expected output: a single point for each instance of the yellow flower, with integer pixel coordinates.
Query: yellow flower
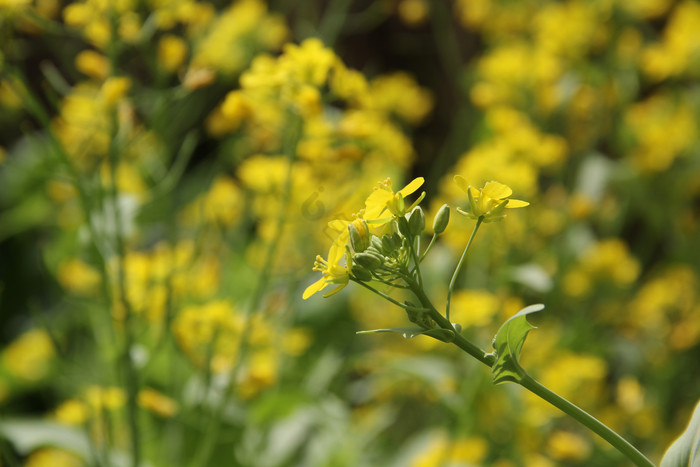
(383, 198)
(488, 202)
(72, 412)
(172, 52)
(333, 272)
(161, 405)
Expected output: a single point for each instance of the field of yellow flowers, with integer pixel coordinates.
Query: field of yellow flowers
(169, 169)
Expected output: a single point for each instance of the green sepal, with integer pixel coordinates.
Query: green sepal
(685, 451)
(509, 342)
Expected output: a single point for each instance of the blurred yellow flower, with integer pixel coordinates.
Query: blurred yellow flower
(78, 277)
(114, 88)
(400, 94)
(223, 204)
(159, 404)
(567, 446)
(441, 450)
(107, 397)
(261, 373)
(295, 341)
(29, 356)
(413, 12)
(172, 52)
(53, 457)
(93, 64)
(474, 307)
(72, 412)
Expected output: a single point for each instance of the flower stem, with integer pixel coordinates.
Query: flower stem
(430, 245)
(381, 294)
(453, 282)
(590, 422)
(460, 341)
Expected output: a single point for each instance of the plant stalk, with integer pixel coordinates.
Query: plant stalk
(453, 281)
(590, 422)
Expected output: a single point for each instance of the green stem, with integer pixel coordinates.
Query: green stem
(206, 446)
(414, 255)
(333, 20)
(590, 422)
(130, 375)
(381, 294)
(453, 282)
(430, 245)
(460, 341)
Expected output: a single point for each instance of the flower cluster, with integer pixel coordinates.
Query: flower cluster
(383, 242)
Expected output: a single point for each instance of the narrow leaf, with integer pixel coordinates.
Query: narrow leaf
(28, 435)
(444, 335)
(509, 342)
(407, 332)
(685, 451)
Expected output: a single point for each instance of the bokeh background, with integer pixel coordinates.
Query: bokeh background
(168, 169)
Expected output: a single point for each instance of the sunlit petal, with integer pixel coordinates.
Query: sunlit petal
(334, 291)
(315, 287)
(411, 187)
(497, 190)
(461, 182)
(516, 203)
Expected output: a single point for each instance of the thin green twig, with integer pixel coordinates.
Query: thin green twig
(453, 281)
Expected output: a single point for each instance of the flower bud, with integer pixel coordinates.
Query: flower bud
(388, 244)
(416, 221)
(361, 273)
(377, 244)
(367, 260)
(442, 218)
(359, 235)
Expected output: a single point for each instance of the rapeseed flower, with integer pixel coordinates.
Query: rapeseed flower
(333, 272)
(488, 202)
(383, 198)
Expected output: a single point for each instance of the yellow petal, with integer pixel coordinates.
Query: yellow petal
(315, 287)
(516, 203)
(497, 190)
(335, 291)
(376, 204)
(411, 187)
(336, 252)
(461, 182)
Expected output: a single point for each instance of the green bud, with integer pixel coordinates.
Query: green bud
(377, 243)
(416, 221)
(388, 244)
(359, 235)
(367, 260)
(361, 273)
(442, 218)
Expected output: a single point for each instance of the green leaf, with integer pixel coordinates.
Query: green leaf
(685, 451)
(444, 335)
(508, 344)
(407, 332)
(27, 435)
